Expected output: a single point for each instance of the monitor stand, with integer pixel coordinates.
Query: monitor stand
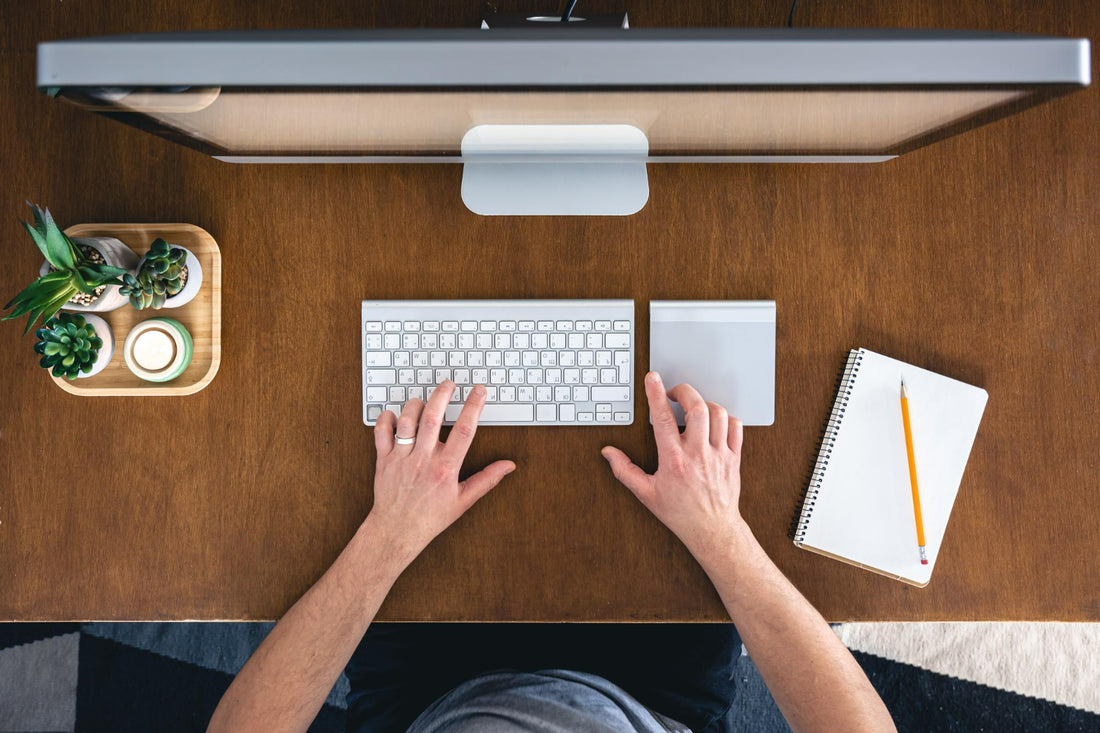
(555, 170)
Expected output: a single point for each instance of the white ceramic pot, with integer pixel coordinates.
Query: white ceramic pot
(194, 280)
(103, 331)
(116, 254)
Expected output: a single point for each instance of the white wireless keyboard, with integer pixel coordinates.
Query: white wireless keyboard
(542, 362)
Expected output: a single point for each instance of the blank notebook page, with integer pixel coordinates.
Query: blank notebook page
(863, 511)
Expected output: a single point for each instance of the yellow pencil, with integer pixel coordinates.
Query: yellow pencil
(912, 472)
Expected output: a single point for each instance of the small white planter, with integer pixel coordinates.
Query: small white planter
(103, 331)
(116, 254)
(194, 280)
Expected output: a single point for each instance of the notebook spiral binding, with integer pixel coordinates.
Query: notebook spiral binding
(845, 381)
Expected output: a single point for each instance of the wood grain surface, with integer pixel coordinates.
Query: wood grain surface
(977, 257)
(202, 316)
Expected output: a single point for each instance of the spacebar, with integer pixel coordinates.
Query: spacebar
(496, 413)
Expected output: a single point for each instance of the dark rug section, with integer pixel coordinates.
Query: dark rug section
(923, 701)
(19, 634)
(122, 689)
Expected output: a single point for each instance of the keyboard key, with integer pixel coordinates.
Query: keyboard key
(530, 358)
(589, 376)
(564, 325)
(424, 376)
(546, 325)
(381, 376)
(490, 394)
(548, 358)
(429, 341)
(603, 325)
(397, 394)
(580, 394)
(622, 325)
(617, 341)
(448, 341)
(484, 341)
(567, 358)
(622, 417)
(373, 411)
(469, 325)
(526, 325)
(544, 394)
(508, 394)
(603, 408)
(516, 376)
(534, 376)
(525, 394)
(497, 413)
(576, 340)
(481, 376)
(609, 376)
(502, 341)
(462, 376)
(373, 326)
(585, 358)
(584, 325)
(546, 413)
(493, 359)
(557, 341)
(438, 359)
(456, 358)
(379, 358)
(521, 341)
(416, 393)
(511, 358)
(611, 394)
(567, 413)
(373, 341)
(442, 375)
(508, 326)
(393, 325)
(475, 359)
(497, 376)
(562, 394)
(392, 341)
(594, 341)
(488, 325)
(412, 325)
(431, 325)
(450, 325)
(540, 341)
(603, 417)
(406, 376)
(465, 341)
(420, 358)
(553, 376)
(376, 394)
(401, 358)
(585, 417)
(603, 358)
(410, 341)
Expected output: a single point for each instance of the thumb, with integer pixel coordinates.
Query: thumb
(482, 482)
(629, 474)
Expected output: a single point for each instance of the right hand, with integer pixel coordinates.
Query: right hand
(697, 485)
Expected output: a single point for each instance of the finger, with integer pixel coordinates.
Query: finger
(736, 436)
(407, 422)
(383, 433)
(482, 482)
(696, 414)
(665, 430)
(431, 419)
(462, 434)
(719, 424)
(629, 473)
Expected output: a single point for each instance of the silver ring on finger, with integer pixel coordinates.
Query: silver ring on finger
(404, 441)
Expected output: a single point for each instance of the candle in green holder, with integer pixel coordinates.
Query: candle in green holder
(158, 349)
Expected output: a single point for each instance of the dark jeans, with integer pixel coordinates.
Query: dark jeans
(684, 671)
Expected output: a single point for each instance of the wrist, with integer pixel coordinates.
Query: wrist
(391, 552)
(723, 545)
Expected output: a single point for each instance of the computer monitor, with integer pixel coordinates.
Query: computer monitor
(560, 120)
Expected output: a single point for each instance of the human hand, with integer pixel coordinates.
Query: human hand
(698, 482)
(417, 493)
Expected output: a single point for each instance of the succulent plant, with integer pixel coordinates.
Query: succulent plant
(68, 345)
(162, 275)
(73, 273)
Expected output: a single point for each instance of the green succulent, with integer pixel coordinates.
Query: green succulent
(73, 273)
(160, 276)
(68, 345)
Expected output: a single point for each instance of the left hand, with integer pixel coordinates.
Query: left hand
(417, 493)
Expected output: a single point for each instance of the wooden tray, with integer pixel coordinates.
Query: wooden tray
(202, 316)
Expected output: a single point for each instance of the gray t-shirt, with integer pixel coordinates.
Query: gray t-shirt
(550, 701)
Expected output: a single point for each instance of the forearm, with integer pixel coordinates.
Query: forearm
(814, 679)
(287, 679)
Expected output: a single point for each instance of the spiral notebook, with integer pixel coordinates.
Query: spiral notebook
(858, 507)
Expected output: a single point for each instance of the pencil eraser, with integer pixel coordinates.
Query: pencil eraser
(923, 562)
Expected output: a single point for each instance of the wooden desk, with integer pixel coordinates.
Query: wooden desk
(977, 257)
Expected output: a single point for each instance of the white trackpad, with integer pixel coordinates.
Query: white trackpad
(725, 349)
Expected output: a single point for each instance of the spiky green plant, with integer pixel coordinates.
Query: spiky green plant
(160, 276)
(68, 345)
(73, 273)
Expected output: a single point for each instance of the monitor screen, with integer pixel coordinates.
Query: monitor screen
(703, 94)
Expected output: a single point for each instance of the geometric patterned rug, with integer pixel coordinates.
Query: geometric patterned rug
(143, 677)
